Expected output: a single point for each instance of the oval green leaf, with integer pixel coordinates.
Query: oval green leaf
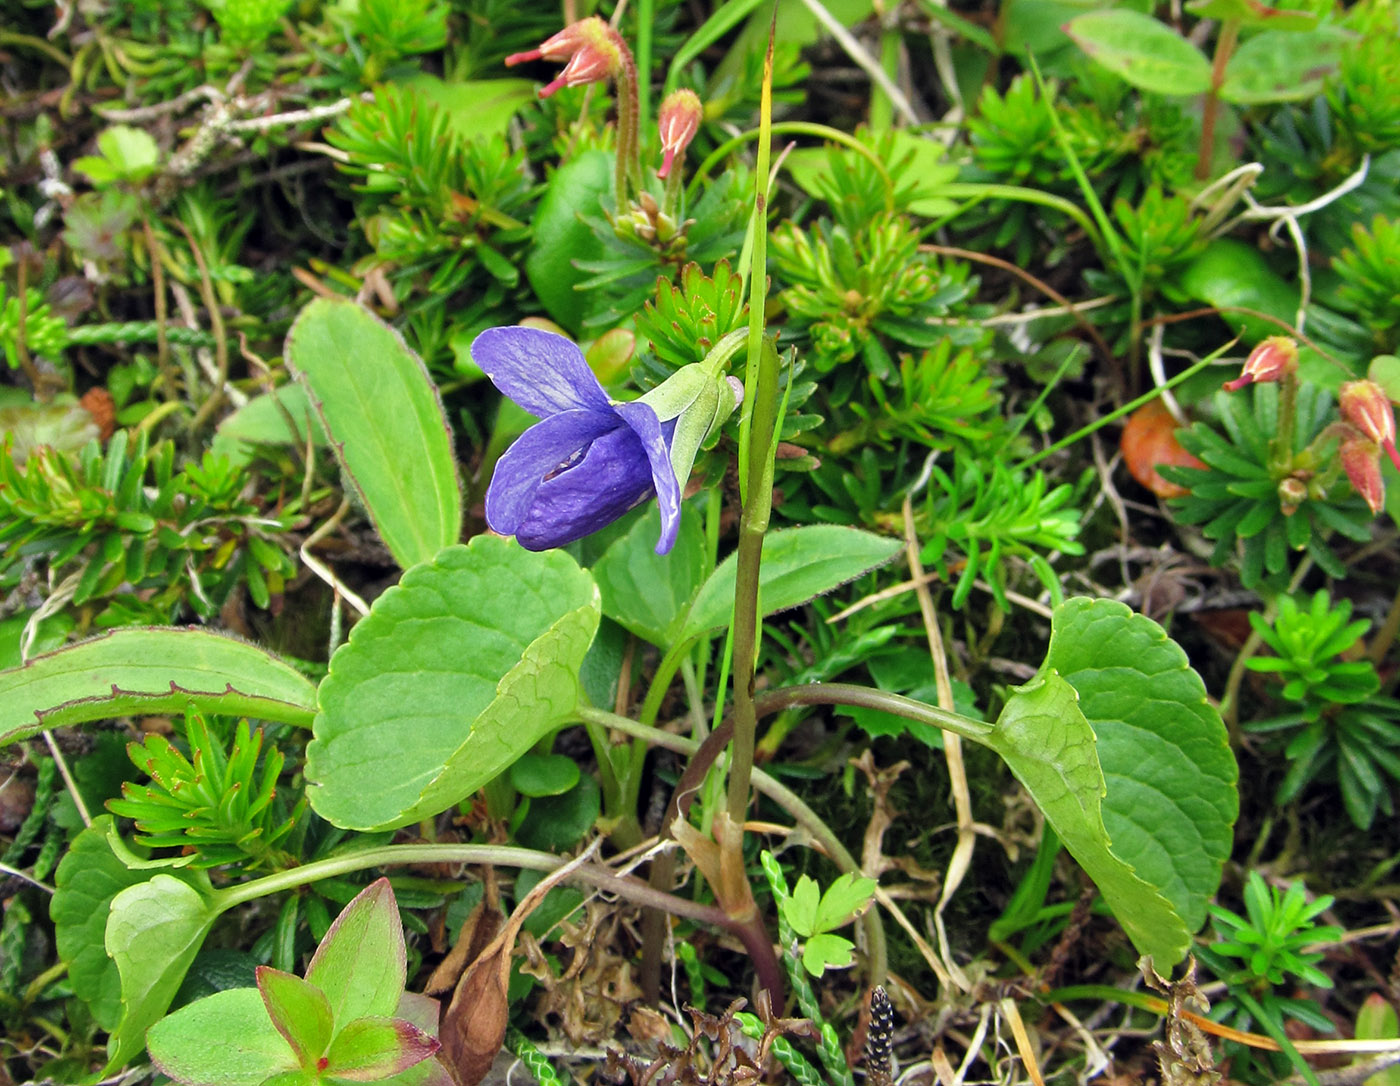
(798, 564)
(1253, 13)
(1232, 273)
(1148, 54)
(386, 422)
(151, 670)
(1282, 66)
(1172, 798)
(457, 670)
(537, 775)
(561, 237)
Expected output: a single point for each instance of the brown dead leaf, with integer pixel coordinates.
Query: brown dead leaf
(590, 997)
(649, 1028)
(480, 927)
(474, 1024)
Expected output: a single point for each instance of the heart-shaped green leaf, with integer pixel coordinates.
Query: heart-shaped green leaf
(1049, 746)
(1172, 798)
(1116, 711)
(647, 592)
(457, 670)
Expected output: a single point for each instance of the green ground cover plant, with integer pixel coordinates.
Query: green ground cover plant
(698, 542)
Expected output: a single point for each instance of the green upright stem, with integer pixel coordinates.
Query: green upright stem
(756, 451)
(783, 796)
(1282, 450)
(753, 524)
(646, 16)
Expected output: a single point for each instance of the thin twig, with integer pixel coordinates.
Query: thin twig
(1039, 284)
(72, 785)
(16, 873)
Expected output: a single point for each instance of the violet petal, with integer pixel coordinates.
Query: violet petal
(613, 476)
(542, 372)
(649, 430)
(535, 454)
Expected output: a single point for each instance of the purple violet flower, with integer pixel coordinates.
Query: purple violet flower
(587, 461)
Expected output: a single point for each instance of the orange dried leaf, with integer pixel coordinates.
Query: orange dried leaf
(1149, 439)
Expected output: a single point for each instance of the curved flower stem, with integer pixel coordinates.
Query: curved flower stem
(800, 128)
(625, 886)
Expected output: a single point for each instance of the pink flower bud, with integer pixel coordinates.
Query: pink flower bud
(1364, 404)
(678, 121)
(590, 47)
(1361, 460)
(1271, 360)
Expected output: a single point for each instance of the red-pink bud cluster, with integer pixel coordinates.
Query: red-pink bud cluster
(1361, 460)
(1365, 405)
(1370, 420)
(678, 122)
(592, 48)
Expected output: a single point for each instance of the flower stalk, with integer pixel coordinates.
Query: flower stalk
(596, 52)
(757, 447)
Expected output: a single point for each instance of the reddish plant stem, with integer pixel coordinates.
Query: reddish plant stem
(1224, 47)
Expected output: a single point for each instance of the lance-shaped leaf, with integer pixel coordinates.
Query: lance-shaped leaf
(151, 670)
(370, 1049)
(299, 1011)
(798, 564)
(386, 422)
(361, 964)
